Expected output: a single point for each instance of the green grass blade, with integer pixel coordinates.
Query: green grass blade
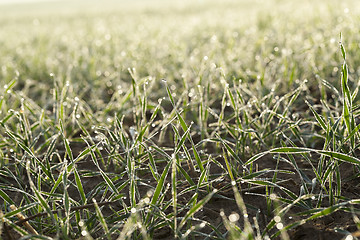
(80, 187)
(196, 208)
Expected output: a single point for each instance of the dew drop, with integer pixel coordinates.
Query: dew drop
(133, 132)
(272, 196)
(234, 217)
(349, 237)
(222, 213)
(149, 193)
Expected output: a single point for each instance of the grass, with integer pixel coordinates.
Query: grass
(199, 120)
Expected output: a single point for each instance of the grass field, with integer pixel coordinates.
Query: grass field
(180, 120)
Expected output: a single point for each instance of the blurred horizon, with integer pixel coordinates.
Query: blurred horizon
(24, 1)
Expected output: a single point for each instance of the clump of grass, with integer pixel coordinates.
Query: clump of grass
(95, 143)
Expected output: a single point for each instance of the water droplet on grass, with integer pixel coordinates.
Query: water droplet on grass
(272, 196)
(349, 237)
(133, 132)
(222, 213)
(234, 217)
(149, 193)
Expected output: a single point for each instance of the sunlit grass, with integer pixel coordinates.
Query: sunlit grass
(206, 120)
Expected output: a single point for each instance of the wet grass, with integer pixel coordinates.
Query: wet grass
(200, 120)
